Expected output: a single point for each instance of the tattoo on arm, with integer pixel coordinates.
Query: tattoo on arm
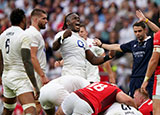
(26, 57)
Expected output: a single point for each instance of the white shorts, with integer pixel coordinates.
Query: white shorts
(51, 95)
(15, 83)
(73, 105)
(156, 87)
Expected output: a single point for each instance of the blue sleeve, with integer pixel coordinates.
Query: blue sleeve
(127, 47)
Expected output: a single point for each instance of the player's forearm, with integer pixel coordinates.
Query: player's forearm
(152, 26)
(112, 75)
(56, 44)
(1, 64)
(94, 60)
(26, 57)
(37, 66)
(115, 47)
(108, 67)
(152, 65)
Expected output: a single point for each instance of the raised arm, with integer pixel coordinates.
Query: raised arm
(58, 42)
(151, 25)
(115, 47)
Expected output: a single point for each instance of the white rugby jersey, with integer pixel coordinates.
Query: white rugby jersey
(92, 71)
(12, 41)
(122, 109)
(73, 53)
(38, 41)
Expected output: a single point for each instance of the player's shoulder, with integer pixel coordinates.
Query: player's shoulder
(60, 33)
(90, 40)
(32, 31)
(156, 38)
(23, 34)
(157, 33)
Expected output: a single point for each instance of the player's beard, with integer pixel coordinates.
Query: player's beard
(41, 26)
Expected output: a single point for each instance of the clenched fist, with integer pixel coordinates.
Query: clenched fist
(67, 34)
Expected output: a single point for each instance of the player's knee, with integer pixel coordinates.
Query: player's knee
(9, 106)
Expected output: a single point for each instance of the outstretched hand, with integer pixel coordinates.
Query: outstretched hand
(141, 16)
(144, 85)
(97, 42)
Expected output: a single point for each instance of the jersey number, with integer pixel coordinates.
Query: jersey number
(7, 45)
(125, 107)
(98, 87)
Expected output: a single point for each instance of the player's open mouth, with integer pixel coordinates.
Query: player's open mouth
(78, 24)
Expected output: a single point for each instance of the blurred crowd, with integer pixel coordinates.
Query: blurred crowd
(109, 20)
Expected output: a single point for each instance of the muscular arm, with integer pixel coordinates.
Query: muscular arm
(152, 64)
(115, 47)
(26, 57)
(94, 59)
(121, 97)
(56, 44)
(150, 69)
(112, 75)
(36, 62)
(151, 25)
(37, 66)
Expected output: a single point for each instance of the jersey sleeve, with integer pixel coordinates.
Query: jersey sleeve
(156, 42)
(126, 47)
(35, 41)
(26, 42)
(59, 34)
(99, 51)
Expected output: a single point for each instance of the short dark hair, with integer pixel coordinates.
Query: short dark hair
(140, 24)
(83, 25)
(37, 12)
(66, 20)
(17, 16)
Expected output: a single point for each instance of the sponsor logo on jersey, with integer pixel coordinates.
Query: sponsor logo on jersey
(80, 43)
